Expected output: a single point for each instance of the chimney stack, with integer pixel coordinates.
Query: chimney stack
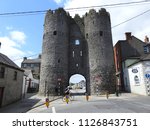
(128, 36)
(146, 40)
(39, 56)
(24, 58)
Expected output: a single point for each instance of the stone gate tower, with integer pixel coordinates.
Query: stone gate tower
(77, 46)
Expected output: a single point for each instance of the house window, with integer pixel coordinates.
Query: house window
(32, 65)
(55, 33)
(77, 42)
(146, 49)
(29, 65)
(2, 72)
(15, 75)
(24, 65)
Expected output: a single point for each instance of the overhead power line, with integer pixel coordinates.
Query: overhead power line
(131, 18)
(26, 57)
(109, 5)
(31, 12)
(69, 9)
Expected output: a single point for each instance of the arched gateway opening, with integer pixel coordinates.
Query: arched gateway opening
(77, 84)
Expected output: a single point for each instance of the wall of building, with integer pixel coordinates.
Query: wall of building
(146, 75)
(12, 88)
(134, 79)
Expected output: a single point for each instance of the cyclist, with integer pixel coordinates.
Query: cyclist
(67, 95)
(67, 91)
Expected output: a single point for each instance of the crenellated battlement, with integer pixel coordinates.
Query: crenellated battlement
(57, 12)
(92, 12)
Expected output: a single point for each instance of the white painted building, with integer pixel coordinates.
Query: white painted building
(30, 84)
(137, 75)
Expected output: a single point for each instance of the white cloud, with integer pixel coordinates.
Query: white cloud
(18, 36)
(138, 26)
(58, 1)
(11, 46)
(9, 28)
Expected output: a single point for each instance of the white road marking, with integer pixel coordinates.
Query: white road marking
(53, 110)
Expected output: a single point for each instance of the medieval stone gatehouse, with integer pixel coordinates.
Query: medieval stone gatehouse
(79, 45)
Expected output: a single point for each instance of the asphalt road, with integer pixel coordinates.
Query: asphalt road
(126, 103)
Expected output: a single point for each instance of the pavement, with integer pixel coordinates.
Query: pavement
(34, 103)
(30, 101)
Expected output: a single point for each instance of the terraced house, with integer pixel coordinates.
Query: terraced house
(11, 79)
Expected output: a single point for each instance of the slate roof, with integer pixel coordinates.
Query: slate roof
(32, 61)
(6, 61)
(147, 57)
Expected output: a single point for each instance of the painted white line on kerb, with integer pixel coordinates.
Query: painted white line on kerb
(53, 110)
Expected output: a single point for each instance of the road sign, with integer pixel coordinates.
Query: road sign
(147, 75)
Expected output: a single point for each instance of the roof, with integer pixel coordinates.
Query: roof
(142, 58)
(6, 61)
(32, 61)
(27, 72)
(147, 57)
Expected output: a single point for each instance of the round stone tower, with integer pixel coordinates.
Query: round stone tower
(100, 49)
(54, 63)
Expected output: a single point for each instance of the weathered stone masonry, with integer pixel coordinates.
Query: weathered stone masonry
(77, 46)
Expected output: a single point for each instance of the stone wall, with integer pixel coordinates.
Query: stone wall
(77, 46)
(12, 88)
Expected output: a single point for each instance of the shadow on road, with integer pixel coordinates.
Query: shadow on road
(20, 106)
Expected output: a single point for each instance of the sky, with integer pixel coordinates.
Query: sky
(21, 36)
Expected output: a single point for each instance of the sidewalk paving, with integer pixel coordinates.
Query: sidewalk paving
(22, 105)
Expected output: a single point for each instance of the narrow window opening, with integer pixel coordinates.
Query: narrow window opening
(58, 60)
(101, 33)
(77, 65)
(80, 53)
(87, 35)
(15, 75)
(77, 42)
(2, 72)
(72, 53)
(55, 33)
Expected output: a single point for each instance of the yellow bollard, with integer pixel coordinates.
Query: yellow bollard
(87, 96)
(67, 99)
(47, 102)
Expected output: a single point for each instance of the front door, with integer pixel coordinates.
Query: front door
(1, 95)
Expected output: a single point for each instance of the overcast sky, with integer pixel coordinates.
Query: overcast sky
(22, 35)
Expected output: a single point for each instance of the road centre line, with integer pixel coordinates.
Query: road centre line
(53, 110)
